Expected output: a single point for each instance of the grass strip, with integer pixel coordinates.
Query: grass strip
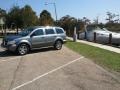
(105, 58)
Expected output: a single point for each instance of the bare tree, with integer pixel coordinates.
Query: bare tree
(111, 17)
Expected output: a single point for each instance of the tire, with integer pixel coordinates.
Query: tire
(23, 49)
(58, 45)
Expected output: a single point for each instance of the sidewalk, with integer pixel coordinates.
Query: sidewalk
(113, 49)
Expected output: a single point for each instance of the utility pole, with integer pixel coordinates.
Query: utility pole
(54, 4)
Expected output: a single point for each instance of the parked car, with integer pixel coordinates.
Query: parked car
(35, 38)
(102, 36)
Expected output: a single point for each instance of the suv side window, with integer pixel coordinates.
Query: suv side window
(49, 31)
(59, 31)
(38, 32)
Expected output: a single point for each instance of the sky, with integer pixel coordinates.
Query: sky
(75, 8)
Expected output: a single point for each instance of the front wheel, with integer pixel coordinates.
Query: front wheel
(58, 45)
(22, 49)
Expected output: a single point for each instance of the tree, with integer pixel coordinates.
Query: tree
(112, 18)
(2, 13)
(86, 20)
(68, 23)
(45, 18)
(96, 20)
(29, 17)
(80, 24)
(21, 17)
(14, 18)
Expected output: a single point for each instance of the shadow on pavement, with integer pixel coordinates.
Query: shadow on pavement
(41, 50)
(9, 54)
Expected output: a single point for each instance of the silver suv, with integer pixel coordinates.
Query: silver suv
(35, 38)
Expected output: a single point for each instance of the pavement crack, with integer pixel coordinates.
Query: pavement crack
(15, 73)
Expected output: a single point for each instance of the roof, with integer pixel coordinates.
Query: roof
(46, 26)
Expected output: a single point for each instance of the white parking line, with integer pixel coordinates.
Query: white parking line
(24, 84)
(9, 59)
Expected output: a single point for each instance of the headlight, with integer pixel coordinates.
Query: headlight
(11, 42)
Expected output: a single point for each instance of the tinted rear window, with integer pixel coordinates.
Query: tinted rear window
(59, 31)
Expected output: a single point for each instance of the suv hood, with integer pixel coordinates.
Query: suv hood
(12, 37)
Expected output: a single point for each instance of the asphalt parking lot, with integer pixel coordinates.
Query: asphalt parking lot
(49, 69)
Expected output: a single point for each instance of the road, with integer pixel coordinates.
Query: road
(49, 69)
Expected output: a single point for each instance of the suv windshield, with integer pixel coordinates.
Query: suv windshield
(26, 32)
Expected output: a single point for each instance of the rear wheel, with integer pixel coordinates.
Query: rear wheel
(22, 49)
(58, 45)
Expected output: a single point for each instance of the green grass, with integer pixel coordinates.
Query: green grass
(105, 58)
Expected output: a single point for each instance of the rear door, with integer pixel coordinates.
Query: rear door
(38, 38)
(50, 36)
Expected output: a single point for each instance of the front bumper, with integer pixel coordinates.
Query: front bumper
(9, 47)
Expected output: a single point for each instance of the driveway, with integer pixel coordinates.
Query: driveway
(49, 69)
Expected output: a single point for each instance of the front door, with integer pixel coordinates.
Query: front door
(38, 39)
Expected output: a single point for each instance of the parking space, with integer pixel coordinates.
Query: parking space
(74, 77)
(49, 69)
